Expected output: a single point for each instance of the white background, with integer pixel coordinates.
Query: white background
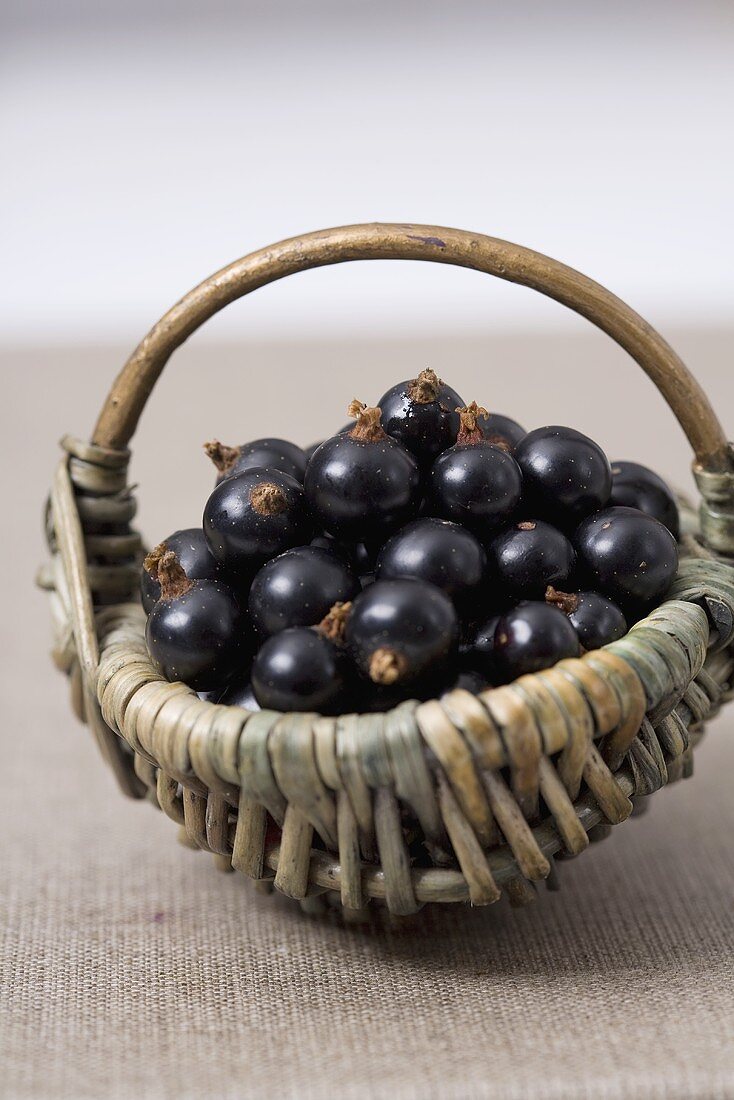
(142, 150)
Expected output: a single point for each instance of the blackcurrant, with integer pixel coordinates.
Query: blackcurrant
(421, 414)
(239, 694)
(361, 557)
(365, 555)
(196, 631)
(503, 431)
(328, 542)
(301, 669)
(636, 486)
(437, 551)
(362, 483)
(477, 652)
(401, 631)
(627, 555)
(529, 556)
(252, 516)
(566, 475)
(312, 447)
(596, 620)
(272, 454)
(474, 483)
(194, 556)
(298, 588)
(530, 637)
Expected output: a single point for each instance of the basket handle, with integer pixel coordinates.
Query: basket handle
(378, 241)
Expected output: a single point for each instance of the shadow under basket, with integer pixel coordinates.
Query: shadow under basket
(452, 800)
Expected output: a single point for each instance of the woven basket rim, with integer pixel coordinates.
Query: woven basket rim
(149, 668)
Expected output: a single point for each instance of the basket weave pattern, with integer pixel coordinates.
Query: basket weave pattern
(497, 784)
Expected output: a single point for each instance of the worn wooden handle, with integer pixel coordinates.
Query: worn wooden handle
(377, 241)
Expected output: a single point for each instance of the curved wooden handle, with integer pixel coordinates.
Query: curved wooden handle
(377, 241)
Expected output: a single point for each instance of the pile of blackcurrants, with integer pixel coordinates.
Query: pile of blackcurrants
(427, 545)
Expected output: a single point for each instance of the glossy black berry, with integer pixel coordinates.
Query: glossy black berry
(364, 556)
(529, 556)
(194, 556)
(328, 542)
(440, 552)
(474, 483)
(401, 631)
(477, 651)
(239, 694)
(311, 449)
(359, 556)
(362, 484)
(300, 669)
(298, 588)
(596, 620)
(421, 415)
(628, 556)
(195, 632)
(566, 475)
(271, 454)
(253, 516)
(503, 431)
(635, 486)
(530, 637)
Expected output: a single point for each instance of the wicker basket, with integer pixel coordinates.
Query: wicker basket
(498, 785)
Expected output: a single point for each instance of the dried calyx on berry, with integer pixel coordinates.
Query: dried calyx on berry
(170, 575)
(252, 516)
(361, 484)
(401, 631)
(299, 587)
(474, 482)
(420, 414)
(194, 555)
(469, 429)
(596, 619)
(334, 623)
(567, 602)
(271, 453)
(196, 632)
(367, 427)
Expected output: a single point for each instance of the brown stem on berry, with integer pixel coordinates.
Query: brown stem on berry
(527, 525)
(222, 456)
(368, 428)
(567, 602)
(334, 623)
(268, 499)
(172, 577)
(153, 559)
(469, 430)
(425, 388)
(386, 666)
(499, 442)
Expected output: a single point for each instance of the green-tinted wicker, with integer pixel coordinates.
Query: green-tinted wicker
(497, 785)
